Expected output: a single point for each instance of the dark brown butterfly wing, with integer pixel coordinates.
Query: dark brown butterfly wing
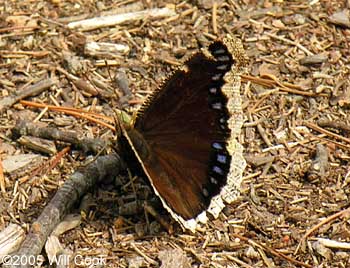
(181, 131)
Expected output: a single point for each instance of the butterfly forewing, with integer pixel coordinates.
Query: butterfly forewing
(181, 131)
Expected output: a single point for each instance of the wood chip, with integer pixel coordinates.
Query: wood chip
(10, 239)
(341, 18)
(16, 162)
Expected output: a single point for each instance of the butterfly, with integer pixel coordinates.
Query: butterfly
(184, 136)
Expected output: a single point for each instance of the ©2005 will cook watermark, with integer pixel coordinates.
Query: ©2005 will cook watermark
(37, 261)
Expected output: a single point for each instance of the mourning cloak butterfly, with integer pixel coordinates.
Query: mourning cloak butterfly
(185, 134)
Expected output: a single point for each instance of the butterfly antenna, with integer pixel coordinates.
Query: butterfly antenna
(117, 124)
(108, 70)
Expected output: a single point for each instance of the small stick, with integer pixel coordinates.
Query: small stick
(66, 110)
(266, 260)
(258, 80)
(14, 28)
(75, 112)
(47, 166)
(99, 22)
(214, 17)
(272, 251)
(287, 89)
(55, 161)
(85, 144)
(71, 191)
(263, 135)
(334, 244)
(148, 259)
(32, 90)
(36, 54)
(290, 42)
(253, 109)
(284, 86)
(2, 179)
(332, 124)
(320, 224)
(321, 137)
(103, 48)
(78, 82)
(327, 132)
(238, 261)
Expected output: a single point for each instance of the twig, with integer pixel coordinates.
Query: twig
(71, 191)
(78, 82)
(28, 91)
(283, 86)
(319, 225)
(340, 145)
(46, 166)
(37, 144)
(290, 42)
(58, 157)
(266, 260)
(332, 124)
(214, 17)
(75, 112)
(22, 28)
(104, 49)
(65, 110)
(238, 261)
(327, 132)
(2, 179)
(85, 144)
(36, 54)
(148, 259)
(258, 80)
(99, 22)
(334, 244)
(263, 135)
(272, 251)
